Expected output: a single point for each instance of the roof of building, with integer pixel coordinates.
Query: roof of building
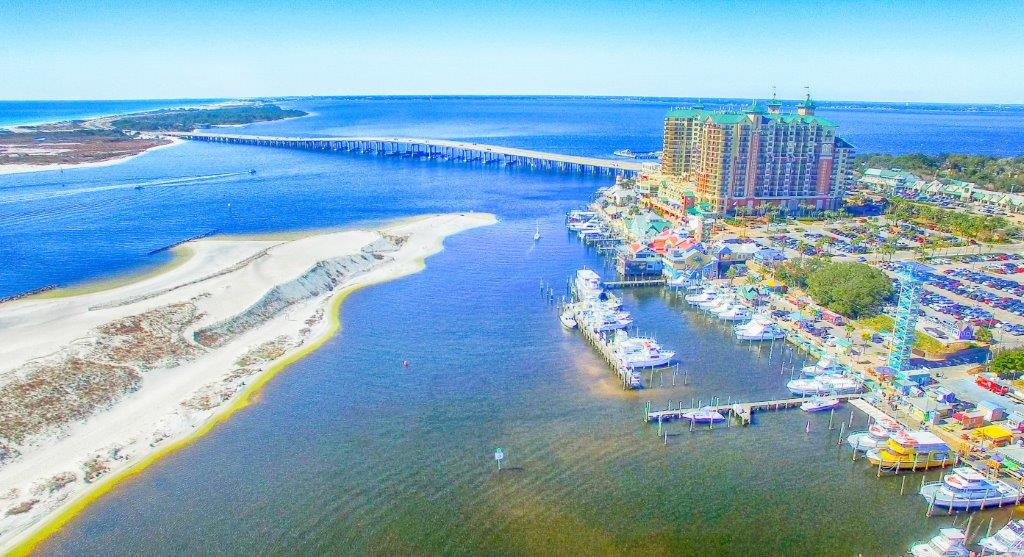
(994, 432)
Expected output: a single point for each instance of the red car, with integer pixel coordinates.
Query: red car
(987, 381)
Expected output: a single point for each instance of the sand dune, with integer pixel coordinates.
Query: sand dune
(92, 386)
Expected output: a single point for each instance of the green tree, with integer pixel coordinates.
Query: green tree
(1008, 363)
(849, 288)
(983, 334)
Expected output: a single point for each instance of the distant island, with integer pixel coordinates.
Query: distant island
(113, 139)
(189, 119)
(1004, 174)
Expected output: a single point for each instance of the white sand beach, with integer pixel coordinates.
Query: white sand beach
(94, 387)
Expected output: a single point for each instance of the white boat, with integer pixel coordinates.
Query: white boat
(825, 385)
(536, 234)
(568, 319)
(949, 543)
(587, 285)
(760, 327)
(635, 381)
(601, 321)
(703, 416)
(639, 352)
(824, 366)
(966, 488)
(705, 295)
(1009, 540)
(820, 404)
(715, 304)
(876, 435)
(735, 312)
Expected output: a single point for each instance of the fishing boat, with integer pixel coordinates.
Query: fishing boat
(824, 366)
(949, 543)
(600, 321)
(706, 295)
(716, 303)
(966, 489)
(733, 312)
(911, 450)
(587, 284)
(568, 319)
(639, 352)
(876, 435)
(760, 327)
(820, 404)
(825, 385)
(1008, 540)
(703, 416)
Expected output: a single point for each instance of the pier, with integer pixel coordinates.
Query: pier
(633, 283)
(744, 411)
(443, 149)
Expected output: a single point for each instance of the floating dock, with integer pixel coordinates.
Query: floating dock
(743, 411)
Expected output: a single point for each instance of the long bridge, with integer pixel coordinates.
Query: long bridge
(444, 149)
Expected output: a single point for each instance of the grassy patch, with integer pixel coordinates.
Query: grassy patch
(883, 324)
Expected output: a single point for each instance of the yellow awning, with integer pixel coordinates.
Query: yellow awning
(994, 432)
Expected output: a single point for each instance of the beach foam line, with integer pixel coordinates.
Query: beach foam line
(54, 524)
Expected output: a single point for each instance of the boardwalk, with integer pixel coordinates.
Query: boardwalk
(436, 149)
(742, 410)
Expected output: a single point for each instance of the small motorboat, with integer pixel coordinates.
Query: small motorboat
(820, 404)
(876, 435)
(568, 319)
(536, 234)
(703, 416)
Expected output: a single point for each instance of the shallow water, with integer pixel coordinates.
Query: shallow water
(349, 452)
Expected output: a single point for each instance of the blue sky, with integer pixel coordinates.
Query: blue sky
(891, 51)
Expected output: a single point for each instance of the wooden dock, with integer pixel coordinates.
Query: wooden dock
(638, 283)
(743, 411)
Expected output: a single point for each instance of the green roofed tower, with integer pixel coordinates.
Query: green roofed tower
(758, 157)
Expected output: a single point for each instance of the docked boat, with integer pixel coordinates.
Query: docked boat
(703, 416)
(715, 304)
(911, 450)
(568, 319)
(706, 295)
(824, 366)
(876, 435)
(639, 352)
(587, 284)
(825, 385)
(949, 543)
(601, 321)
(760, 327)
(820, 404)
(966, 489)
(635, 380)
(1009, 540)
(733, 312)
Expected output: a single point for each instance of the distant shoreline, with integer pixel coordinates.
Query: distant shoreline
(89, 138)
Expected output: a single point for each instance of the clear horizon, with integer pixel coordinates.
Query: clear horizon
(932, 52)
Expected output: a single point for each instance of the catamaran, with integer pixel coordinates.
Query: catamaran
(966, 488)
(949, 543)
(876, 435)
